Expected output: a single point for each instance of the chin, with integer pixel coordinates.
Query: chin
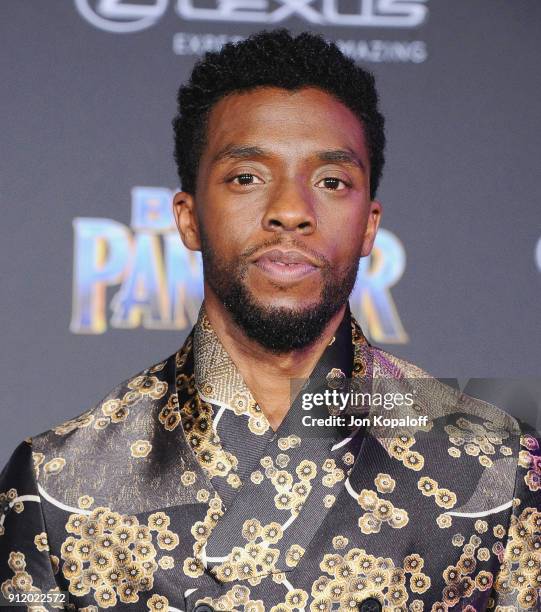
(285, 302)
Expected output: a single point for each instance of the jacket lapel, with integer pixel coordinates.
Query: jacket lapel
(295, 484)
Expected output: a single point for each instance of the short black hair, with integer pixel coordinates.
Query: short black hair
(275, 59)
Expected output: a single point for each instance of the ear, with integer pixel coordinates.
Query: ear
(374, 217)
(186, 220)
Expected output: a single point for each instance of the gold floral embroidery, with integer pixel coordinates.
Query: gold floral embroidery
(113, 555)
(530, 459)
(237, 596)
(379, 511)
(443, 497)
(83, 420)
(54, 466)
(21, 579)
(158, 603)
(354, 576)
(520, 569)
(41, 541)
(384, 483)
(37, 460)
(477, 440)
(257, 558)
(8, 498)
(140, 448)
(399, 448)
(85, 501)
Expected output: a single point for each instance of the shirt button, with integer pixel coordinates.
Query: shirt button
(203, 608)
(370, 605)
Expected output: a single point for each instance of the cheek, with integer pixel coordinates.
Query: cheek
(231, 223)
(349, 254)
(344, 236)
(226, 235)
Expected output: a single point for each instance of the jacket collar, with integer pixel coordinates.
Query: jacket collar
(219, 381)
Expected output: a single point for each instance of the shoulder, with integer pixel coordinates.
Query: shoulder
(126, 415)
(439, 399)
(123, 403)
(470, 444)
(46, 453)
(110, 451)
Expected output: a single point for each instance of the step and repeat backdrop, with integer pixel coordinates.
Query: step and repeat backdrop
(96, 283)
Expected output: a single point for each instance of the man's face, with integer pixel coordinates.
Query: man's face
(282, 211)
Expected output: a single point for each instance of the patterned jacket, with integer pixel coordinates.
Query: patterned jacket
(174, 493)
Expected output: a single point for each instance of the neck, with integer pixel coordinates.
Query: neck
(267, 374)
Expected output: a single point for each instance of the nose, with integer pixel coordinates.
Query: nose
(290, 207)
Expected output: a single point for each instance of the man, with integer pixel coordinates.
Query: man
(197, 484)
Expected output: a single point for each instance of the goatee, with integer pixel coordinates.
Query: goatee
(276, 328)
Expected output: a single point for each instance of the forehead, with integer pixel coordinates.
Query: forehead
(288, 122)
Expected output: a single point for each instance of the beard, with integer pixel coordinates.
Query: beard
(278, 329)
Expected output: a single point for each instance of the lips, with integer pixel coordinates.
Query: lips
(286, 257)
(285, 266)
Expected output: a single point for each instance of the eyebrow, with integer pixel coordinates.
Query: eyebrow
(231, 151)
(344, 156)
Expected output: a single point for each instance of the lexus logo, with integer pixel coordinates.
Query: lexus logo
(119, 16)
(122, 16)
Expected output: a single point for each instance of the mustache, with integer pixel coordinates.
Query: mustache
(292, 243)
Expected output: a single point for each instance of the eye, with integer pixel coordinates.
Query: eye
(334, 183)
(246, 178)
